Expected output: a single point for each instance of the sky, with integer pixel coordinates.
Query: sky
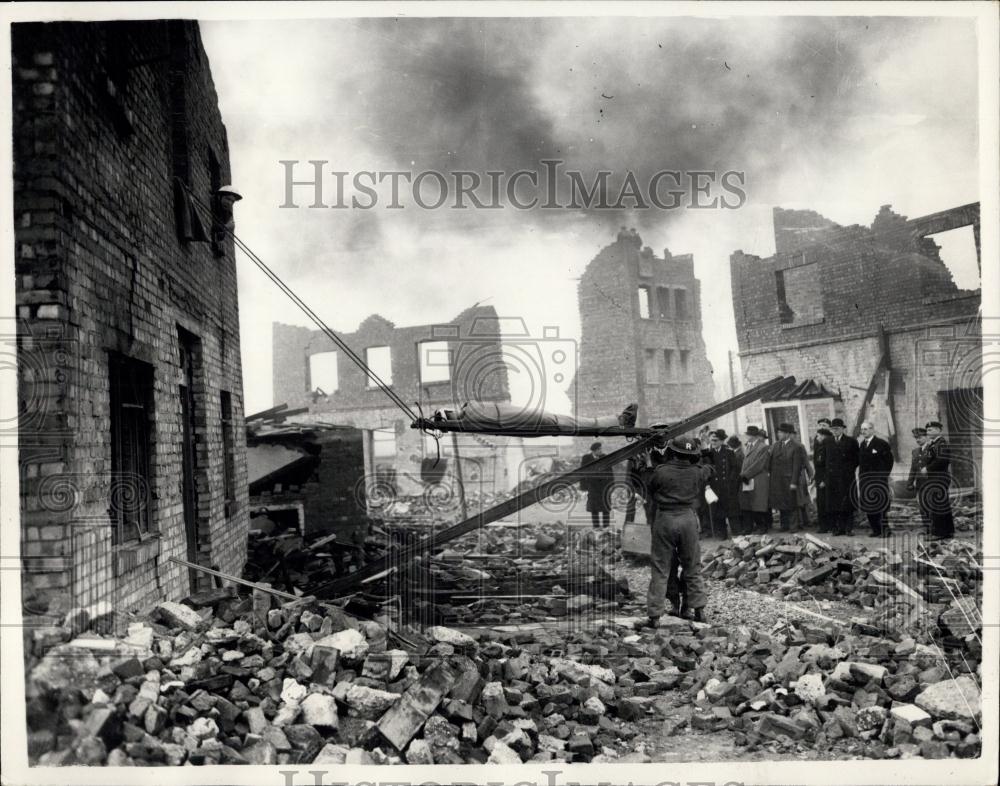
(837, 115)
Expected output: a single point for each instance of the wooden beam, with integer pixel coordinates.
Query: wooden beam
(883, 358)
(266, 413)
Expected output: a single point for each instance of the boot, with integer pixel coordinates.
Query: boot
(650, 622)
(694, 615)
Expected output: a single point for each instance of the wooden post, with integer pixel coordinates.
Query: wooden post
(458, 476)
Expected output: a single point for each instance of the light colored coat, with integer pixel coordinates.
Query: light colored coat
(756, 461)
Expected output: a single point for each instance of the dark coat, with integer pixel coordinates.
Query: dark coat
(787, 462)
(918, 460)
(819, 474)
(597, 485)
(725, 481)
(875, 462)
(937, 479)
(756, 461)
(841, 460)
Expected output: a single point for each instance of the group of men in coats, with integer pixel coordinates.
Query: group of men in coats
(752, 479)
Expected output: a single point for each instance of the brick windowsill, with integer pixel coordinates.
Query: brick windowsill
(794, 325)
(130, 556)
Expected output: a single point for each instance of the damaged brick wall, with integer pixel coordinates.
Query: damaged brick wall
(889, 275)
(105, 116)
(656, 356)
(477, 373)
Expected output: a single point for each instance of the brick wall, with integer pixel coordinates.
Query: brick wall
(105, 115)
(615, 338)
(477, 373)
(886, 275)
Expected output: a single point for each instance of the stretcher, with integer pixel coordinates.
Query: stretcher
(499, 419)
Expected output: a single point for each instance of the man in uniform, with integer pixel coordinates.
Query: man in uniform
(840, 454)
(936, 478)
(917, 463)
(875, 462)
(754, 479)
(725, 484)
(674, 548)
(787, 460)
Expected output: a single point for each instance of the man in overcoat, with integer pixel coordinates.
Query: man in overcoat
(935, 480)
(819, 477)
(875, 461)
(597, 485)
(841, 458)
(917, 462)
(788, 458)
(754, 480)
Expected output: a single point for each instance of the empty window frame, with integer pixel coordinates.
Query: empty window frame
(800, 295)
(644, 309)
(323, 372)
(131, 399)
(379, 360)
(435, 361)
(228, 453)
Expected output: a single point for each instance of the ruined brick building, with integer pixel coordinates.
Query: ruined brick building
(131, 419)
(872, 325)
(435, 366)
(641, 335)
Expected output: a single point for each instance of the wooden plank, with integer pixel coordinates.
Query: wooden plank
(264, 413)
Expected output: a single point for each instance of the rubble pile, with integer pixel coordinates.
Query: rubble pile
(249, 681)
(864, 695)
(301, 683)
(891, 584)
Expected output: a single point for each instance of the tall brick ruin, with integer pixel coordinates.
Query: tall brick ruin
(641, 336)
(815, 308)
(131, 402)
(435, 366)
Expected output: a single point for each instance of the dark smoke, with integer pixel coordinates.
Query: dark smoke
(624, 94)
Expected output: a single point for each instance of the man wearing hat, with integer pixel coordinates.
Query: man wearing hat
(675, 486)
(875, 461)
(725, 484)
(840, 455)
(936, 479)
(915, 478)
(819, 476)
(598, 487)
(787, 460)
(754, 480)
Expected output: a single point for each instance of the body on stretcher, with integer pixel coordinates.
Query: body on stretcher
(493, 417)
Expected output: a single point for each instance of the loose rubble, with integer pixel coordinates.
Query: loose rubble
(560, 676)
